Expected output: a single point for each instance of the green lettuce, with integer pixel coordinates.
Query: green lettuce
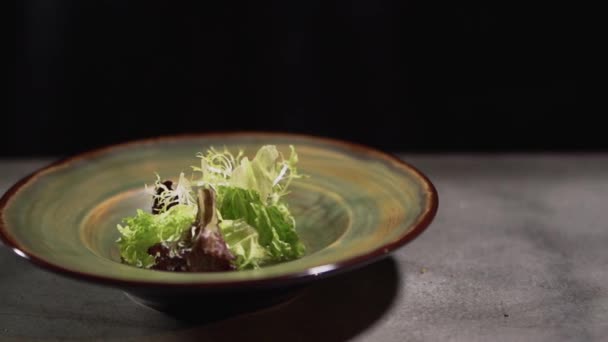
(144, 230)
(268, 173)
(254, 220)
(274, 224)
(243, 242)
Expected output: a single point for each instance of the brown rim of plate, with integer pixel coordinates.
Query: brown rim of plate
(292, 278)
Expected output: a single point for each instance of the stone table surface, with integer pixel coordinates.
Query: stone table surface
(518, 251)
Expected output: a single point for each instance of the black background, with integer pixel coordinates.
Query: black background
(414, 76)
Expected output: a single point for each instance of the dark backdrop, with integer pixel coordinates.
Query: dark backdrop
(398, 75)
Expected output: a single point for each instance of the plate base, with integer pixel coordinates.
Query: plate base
(210, 307)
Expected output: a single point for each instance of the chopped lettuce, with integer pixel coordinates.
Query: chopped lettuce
(254, 220)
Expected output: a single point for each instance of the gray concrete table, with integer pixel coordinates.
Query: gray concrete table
(518, 251)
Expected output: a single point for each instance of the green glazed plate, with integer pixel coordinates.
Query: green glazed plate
(358, 205)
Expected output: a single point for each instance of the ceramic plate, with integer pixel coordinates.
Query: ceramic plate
(358, 205)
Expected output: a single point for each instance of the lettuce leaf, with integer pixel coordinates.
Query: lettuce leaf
(144, 230)
(243, 241)
(259, 174)
(274, 224)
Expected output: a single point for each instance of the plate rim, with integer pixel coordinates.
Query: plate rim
(299, 276)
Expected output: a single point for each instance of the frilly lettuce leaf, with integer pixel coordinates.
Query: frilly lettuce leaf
(216, 167)
(143, 230)
(181, 194)
(268, 173)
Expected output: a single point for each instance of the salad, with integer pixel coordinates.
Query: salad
(230, 214)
